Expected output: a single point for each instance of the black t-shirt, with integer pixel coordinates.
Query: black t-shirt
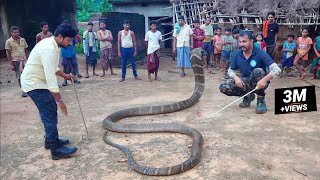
(273, 29)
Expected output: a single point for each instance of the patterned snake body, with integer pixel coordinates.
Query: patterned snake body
(110, 124)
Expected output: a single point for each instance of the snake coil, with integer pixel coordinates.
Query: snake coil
(110, 124)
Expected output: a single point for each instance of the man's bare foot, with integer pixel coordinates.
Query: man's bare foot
(313, 77)
(137, 78)
(102, 75)
(149, 80)
(157, 78)
(121, 80)
(94, 74)
(87, 75)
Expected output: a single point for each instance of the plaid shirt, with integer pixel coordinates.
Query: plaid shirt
(197, 43)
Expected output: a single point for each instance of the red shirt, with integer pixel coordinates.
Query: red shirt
(198, 37)
(78, 38)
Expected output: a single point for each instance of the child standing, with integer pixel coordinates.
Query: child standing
(259, 43)
(207, 44)
(69, 61)
(288, 49)
(315, 68)
(105, 38)
(198, 38)
(227, 41)
(235, 47)
(235, 42)
(217, 43)
(90, 49)
(153, 39)
(304, 45)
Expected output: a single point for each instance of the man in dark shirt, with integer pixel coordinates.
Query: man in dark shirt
(270, 30)
(252, 63)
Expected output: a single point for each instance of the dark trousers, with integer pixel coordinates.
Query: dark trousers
(229, 88)
(47, 107)
(128, 53)
(270, 49)
(70, 65)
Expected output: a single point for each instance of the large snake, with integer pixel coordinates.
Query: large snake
(110, 124)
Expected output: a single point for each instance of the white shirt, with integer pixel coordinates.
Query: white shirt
(41, 67)
(183, 37)
(126, 40)
(153, 41)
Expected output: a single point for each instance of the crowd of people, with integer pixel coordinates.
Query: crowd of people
(231, 51)
(218, 48)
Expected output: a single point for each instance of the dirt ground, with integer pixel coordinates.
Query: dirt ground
(239, 144)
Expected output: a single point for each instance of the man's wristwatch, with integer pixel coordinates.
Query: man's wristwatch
(60, 100)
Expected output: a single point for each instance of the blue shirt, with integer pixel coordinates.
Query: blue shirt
(291, 47)
(258, 59)
(69, 52)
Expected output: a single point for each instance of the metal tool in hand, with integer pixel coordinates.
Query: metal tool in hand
(230, 104)
(84, 122)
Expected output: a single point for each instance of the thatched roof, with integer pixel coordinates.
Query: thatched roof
(290, 11)
(135, 1)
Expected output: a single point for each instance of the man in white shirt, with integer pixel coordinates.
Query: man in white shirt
(153, 39)
(182, 36)
(39, 81)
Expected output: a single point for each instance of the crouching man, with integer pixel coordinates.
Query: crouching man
(252, 64)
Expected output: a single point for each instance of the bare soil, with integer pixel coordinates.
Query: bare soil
(239, 144)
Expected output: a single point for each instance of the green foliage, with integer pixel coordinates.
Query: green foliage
(79, 46)
(86, 7)
(83, 16)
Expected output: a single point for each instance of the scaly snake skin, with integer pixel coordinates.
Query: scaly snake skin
(110, 124)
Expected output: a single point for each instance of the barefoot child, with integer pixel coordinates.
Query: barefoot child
(153, 39)
(235, 47)
(207, 44)
(90, 49)
(227, 41)
(304, 45)
(315, 68)
(260, 44)
(289, 48)
(198, 38)
(105, 38)
(217, 44)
